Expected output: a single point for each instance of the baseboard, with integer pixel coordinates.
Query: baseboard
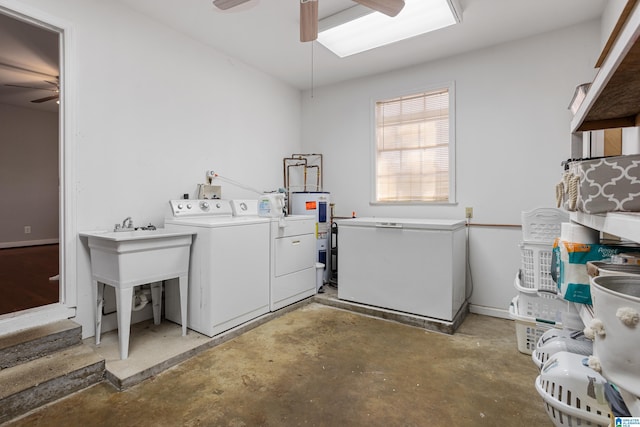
(489, 311)
(5, 245)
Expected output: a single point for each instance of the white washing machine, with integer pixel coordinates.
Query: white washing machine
(292, 249)
(229, 267)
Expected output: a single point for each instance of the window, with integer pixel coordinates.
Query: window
(414, 153)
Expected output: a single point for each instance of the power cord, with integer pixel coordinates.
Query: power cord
(469, 260)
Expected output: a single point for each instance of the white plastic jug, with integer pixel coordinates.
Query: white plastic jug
(271, 205)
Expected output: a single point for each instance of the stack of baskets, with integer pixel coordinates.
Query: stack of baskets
(573, 393)
(537, 307)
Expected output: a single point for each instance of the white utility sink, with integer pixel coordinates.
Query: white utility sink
(125, 259)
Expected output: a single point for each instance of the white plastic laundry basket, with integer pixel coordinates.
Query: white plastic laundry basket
(573, 393)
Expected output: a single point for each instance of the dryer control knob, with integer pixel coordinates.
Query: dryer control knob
(188, 205)
(204, 205)
(179, 205)
(218, 205)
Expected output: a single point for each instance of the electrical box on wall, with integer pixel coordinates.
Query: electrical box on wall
(206, 191)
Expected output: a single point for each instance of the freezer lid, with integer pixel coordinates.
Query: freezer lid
(408, 223)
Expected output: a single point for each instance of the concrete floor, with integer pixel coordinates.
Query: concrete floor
(322, 366)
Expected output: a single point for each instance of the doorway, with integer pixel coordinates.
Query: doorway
(30, 172)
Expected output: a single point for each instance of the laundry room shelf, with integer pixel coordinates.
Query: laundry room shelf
(622, 224)
(611, 101)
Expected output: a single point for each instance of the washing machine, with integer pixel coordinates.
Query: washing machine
(292, 255)
(229, 265)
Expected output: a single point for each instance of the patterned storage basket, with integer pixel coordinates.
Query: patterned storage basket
(608, 184)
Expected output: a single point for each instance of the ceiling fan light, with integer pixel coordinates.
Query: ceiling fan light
(373, 30)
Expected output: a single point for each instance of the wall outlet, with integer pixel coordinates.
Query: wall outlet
(27, 229)
(468, 212)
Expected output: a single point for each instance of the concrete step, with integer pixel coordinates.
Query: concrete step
(35, 383)
(32, 343)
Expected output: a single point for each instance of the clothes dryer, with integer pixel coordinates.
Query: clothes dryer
(292, 255)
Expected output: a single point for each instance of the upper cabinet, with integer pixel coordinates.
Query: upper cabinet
(613, 100)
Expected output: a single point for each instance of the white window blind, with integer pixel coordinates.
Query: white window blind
(413, 148)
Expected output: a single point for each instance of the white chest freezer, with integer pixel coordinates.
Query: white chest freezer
(412, 265)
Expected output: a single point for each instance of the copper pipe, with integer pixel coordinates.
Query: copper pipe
(321, 166)
(303, 164)
(318, 188)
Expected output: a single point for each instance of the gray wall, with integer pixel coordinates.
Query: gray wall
(28, 176)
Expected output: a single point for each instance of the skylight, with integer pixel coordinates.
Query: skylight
(359, 29)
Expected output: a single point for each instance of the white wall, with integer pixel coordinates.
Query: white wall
(155, 110)
(28, 176)
(512, 127)
(610, 17)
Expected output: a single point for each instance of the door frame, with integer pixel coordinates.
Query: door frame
(66, 307)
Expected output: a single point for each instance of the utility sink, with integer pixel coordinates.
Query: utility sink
(125, 259)
(133, 234)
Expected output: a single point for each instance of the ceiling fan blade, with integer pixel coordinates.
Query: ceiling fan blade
(33, 87)
(388, 7)
(24, 70)
(48, 98)
(308, 20)
(227, 4)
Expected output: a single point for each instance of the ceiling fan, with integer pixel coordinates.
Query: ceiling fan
(309, 12)
(55, 87)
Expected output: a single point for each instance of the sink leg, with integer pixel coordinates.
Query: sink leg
(156, 301)
(99, 287)
(123, 303)
(184, 297)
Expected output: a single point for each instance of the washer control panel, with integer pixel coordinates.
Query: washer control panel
(199, 207)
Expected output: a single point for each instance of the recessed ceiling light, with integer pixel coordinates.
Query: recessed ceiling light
(358, 29)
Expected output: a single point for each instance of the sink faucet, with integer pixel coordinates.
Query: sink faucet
(127, 224)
